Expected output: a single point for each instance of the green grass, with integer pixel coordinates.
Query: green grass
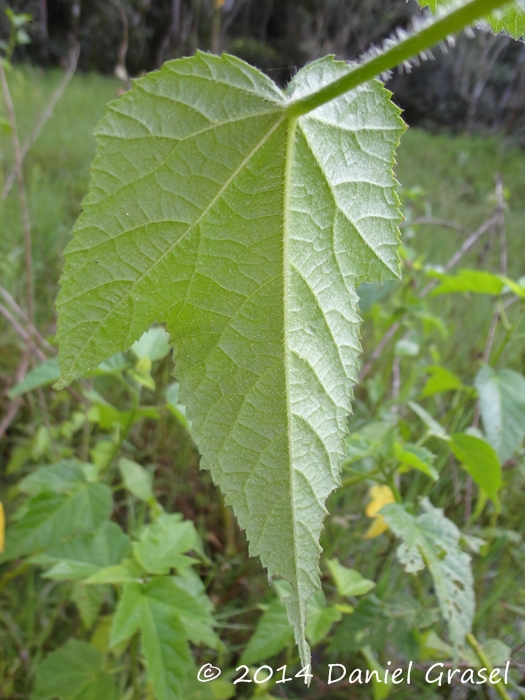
(56, 171)
(455, 174)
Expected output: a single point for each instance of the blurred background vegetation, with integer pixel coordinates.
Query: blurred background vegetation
(478, 84)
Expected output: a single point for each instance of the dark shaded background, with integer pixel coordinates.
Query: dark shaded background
(478, 85)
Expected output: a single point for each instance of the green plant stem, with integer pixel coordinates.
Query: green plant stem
(135, 393)
(477, 649)
(134, 666)
(420, 41)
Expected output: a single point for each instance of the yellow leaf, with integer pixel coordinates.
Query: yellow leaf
(2, 527)
(380, 496)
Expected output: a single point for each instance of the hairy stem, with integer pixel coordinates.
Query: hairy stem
(405, 49)
(484, 660)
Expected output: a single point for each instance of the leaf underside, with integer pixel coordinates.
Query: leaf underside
(246, 232)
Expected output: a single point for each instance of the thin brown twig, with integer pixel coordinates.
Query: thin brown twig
(22, 332)
(15, 405)
(26, 224)
(45, 116)
(379, 349)
(467, 245)
(23, 316)
(120, 67)
(501, 224)
(426, 220)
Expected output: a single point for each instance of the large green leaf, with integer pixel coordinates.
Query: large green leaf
(502, 405)
(433, 539)
(50, 518)
(75, 671)
(245, 230)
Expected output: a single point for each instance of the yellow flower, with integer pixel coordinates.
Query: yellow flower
(380, 496)
(2, 527)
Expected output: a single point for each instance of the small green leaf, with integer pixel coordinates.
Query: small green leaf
(433, 540)
(75, 671)
(162, 544)
(434, 428)
(115, 364)
(18, 19)
(417, 457)
(272, 634)
(441, 379)
(407, 348)
(502, 405)
(480, 460)
(49, 372)
(380, 689)
(518, 288)
(475, 281)
(5, 124)
(349, 582)
(43, 375)
(320, 618)
(177, 409)
(154, 345)
(22, 37)
(136, 479)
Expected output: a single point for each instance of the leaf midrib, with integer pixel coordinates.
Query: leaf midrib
(290, 143)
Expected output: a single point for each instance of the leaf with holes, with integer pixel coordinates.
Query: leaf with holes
(431, 539)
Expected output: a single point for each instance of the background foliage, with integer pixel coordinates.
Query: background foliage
(442, 380)
(476, 84)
